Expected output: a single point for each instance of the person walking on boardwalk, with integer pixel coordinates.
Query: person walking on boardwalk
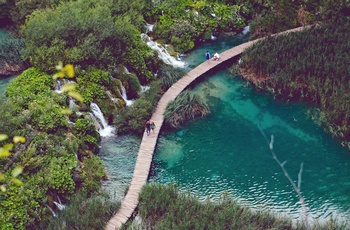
(207, 55)
(148, 127)
(153, 126)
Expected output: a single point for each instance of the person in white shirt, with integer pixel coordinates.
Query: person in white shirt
(216, 56)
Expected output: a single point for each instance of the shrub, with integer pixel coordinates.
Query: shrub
(91, 174)
(29, 85)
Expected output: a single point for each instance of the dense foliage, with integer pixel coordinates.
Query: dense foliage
(268, 17)
(87, 33)
(183, 23)
(312, 66)
(57, 158)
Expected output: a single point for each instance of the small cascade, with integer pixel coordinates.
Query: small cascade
(149, 28)
(162, 52)
(72, 105)
(126, 70)
(245, 30)
(144, 88)
(103, 128)
(52, 211)
(59, 204)
(212, 37)
(60, 83)
(128, 102)
(111, 96)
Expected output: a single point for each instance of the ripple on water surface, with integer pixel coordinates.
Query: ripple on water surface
(119, 155)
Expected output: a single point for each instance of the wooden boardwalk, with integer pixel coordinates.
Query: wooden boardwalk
(148, 143)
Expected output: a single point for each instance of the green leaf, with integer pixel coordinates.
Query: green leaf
(69, 70)
(17, 139)
(16, 171)
(4, 152)
(66, 111)
(75, 95)
(59, 66)
(3, 137)
(68, 87)
(3, 188)
(17, 182)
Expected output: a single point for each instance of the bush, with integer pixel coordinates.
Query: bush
(30, 85)
(91, 173)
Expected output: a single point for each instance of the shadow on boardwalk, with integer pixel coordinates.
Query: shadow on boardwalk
(148, 143)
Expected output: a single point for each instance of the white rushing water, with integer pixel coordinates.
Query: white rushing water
(245, 30)
(162, 52)
(104, 129)
(125, 97)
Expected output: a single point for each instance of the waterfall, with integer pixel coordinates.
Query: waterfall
(162, 52)
(111, 96)
(52, 211)
(149, 28)
(144, 88)
(126, 70)
(245, 30)
(103, 128)
(72, 105)
(128, 102)
(60, 83)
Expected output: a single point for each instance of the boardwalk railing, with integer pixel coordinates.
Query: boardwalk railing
(148, 143)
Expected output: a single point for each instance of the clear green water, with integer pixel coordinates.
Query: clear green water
(119, 155)
(4, 80)
(227, 152)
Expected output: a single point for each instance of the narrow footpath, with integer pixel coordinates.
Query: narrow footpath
(148, 143)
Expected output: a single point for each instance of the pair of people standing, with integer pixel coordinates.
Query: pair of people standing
(215, 57)
(150, 125)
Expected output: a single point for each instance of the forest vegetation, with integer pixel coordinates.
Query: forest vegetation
(101, 38)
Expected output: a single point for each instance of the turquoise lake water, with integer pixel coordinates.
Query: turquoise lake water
(4, 81)
(227, 151)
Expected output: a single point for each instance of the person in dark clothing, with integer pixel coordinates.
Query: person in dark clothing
(207, 55)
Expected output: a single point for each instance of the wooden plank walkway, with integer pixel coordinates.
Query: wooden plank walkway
(148, 143)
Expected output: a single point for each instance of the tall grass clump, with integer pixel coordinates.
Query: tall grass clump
(185, 107)
(169, 75)
(10, 52)
(85, 213)
(310, 66)
(165, 207)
